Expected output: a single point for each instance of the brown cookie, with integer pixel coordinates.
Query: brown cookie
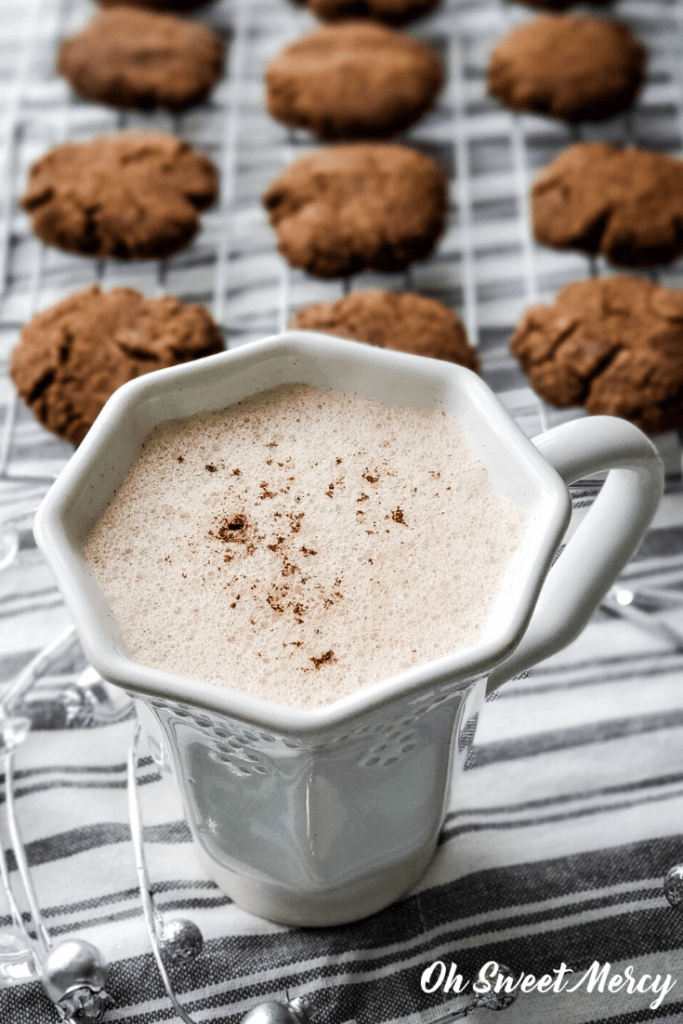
(569, 67)
(72, 357)
(342, 209)
(613, 345)
(128, 57)
(624, 203)
(352, 80)
(131, 195)
(405, 323)
(392, 12)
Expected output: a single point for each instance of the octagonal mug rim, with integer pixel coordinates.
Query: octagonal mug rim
(86, 485)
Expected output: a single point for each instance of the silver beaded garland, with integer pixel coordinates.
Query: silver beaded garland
(180, 940)
(73, 972)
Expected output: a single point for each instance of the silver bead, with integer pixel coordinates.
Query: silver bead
(293, 1012)
(74, 976)
(497, 1000)
(84, 1006)
(180, 940)
(673, 885)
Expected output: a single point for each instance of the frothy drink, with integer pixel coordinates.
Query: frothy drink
(302, 544)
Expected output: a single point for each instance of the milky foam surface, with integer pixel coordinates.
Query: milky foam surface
(301, 544)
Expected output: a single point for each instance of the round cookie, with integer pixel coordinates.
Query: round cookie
(624, 203)
(569, 67)
(131, 195)
(391, 12)
(355, 79)
(613, 345)
(73, 356)
(404, 323)
(342, 209)
(128, 57)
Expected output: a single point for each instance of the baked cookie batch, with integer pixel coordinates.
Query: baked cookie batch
(361, 204)
(358, 202)
(613, 345)
(364, 203)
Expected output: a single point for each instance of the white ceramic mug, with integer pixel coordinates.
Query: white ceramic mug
(321, 817)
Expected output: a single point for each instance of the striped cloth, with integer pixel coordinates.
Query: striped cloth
(569, 814)
(554, 849)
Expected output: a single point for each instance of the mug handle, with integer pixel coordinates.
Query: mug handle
(604, 541)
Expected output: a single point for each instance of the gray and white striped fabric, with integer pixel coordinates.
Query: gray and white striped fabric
(571, 809)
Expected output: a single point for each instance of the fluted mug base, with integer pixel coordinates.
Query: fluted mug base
(351, 902)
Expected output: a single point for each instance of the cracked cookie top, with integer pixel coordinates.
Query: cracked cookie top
(612, 345)
(73, 356)
(624, 203)
(130, 195)
(341, 209)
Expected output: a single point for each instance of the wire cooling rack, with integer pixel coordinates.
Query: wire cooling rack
(486, 266)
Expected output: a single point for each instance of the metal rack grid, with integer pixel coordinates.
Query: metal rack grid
(486, 264)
